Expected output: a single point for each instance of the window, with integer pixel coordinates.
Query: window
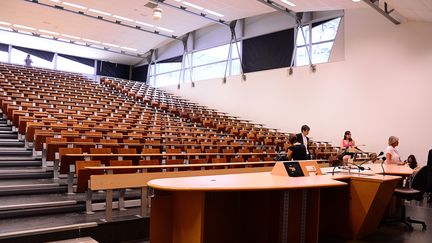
(206, 64)
(65, 64)
(322, 35)
(4, 56)
(18, 57)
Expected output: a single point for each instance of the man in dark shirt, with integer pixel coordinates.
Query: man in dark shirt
(28, 61)
(303, 139)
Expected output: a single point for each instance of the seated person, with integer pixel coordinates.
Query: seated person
(296, 151)
(412, 162)
(347, 144)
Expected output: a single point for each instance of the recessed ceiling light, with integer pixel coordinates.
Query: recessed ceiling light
(74, 5)
(5, 23)
(90, 40)
(128, 48)
(80, 43)
(56, 1)
(192, 5)
(24, 27)
(288, 2)
(356, 1)
(109, 44)
(213, 13)
(123, 18)
(99, 12)
(164, 29)
(100, 47)
(71, 36)
(49, 32)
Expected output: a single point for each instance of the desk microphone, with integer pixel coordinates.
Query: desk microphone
(382, 165)
(334, 169)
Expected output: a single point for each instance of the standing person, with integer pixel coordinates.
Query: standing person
(303, 139)
(392, 155)
(28, 61)
(296, 151)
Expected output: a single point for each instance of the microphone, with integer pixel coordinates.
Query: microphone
(382, 165)
(333, 171)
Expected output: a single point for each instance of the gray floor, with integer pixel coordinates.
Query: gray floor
(398, 233)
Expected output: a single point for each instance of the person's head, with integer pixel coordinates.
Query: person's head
(305, 130)
(412, 161)
(393, 141)
(293, 139)
(347, 135)
(373, 156)
(28, 56)
(429, 161)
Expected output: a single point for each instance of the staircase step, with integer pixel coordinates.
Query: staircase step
(19, 158)
(23, 163)
(32, 189)
(5, 128)
(11, 144)
(37, 205)
(15, 136)
(77, 207)
(28, 175)
(12, 152)
(8, 132)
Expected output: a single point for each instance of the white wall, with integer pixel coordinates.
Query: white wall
(382, 88)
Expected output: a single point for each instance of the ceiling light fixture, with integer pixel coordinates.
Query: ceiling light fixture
(164, 29)
(71, 36)
(213, 13)
(123, 18)
(112, 45)
(288, 2)
(157, 13)
(24, 27)
(99, 12)
(356, 1)
(145, 24)
(56, 1)
(74, 5)
(128, 48)
(4, 28)
(192, 5)
(5, 23)
(48, 32)
(90, 40)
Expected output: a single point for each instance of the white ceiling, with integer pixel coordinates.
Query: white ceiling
(40, 17)
(413, 10)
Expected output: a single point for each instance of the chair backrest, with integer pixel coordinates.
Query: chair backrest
(120, 163)
(100, 150)
(87, 140)
(422, 180)
(151, 151)
(63, 151)
(108, 141)
(81, 164)
(126, 150)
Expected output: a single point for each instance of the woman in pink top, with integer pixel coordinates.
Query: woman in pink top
(347, 141)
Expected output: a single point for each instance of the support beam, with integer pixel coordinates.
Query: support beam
(384, 12)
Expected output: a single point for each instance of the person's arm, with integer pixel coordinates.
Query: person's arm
(289, 154)
(388, 158)
(353, 143)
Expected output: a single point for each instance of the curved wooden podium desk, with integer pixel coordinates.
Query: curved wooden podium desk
(261, 207)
